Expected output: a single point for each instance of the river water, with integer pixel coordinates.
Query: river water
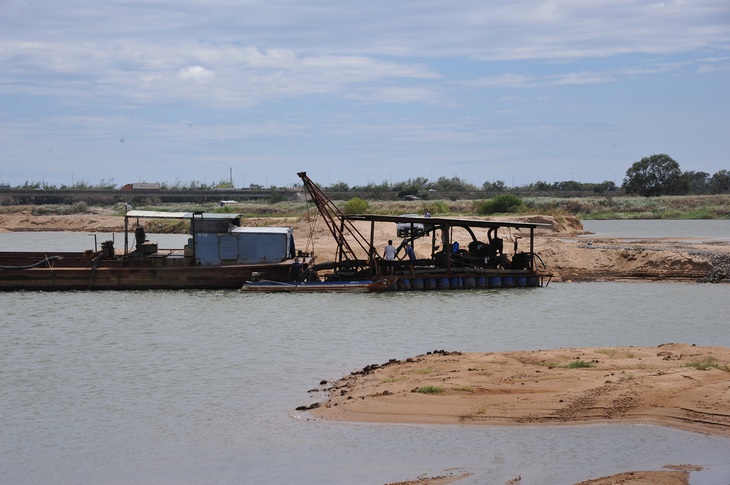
(688, 230)
(200, 387)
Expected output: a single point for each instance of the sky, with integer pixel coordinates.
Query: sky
(359, 91)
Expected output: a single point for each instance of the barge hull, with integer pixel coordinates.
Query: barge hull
(76, 272)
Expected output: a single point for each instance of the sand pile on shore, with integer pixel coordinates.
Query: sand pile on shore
(677, 385)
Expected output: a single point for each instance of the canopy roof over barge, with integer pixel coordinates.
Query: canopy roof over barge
(181, 215)
(445, 221)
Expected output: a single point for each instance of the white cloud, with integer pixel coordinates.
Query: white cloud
(197, 74)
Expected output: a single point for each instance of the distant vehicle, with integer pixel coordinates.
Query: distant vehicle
(405, 228)
(141, 186)
(412, 197)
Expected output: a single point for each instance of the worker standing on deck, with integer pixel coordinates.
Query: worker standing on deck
(389, 256)
(295, 271)
(411, 257)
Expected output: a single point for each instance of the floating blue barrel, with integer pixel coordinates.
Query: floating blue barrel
(521, 281)
(495, 281)
(508, 281)
(471, 282)
(443, 283)
(533, 281)
(405, 284)
(417, 283)
(455, 282)
(481, 281)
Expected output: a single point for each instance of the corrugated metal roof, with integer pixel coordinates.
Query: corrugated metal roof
(263, 230)
(444, 221)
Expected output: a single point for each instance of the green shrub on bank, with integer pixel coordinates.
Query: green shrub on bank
(436, 207)
(356, 206)
(79, 207)
(709, 363)
(505, 203)
(429, 390)
(578, 364)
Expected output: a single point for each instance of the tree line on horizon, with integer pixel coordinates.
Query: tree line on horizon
(651, 176)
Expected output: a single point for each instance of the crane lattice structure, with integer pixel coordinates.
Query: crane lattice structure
(342, 229)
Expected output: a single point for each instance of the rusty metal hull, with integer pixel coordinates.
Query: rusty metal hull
(82, 271)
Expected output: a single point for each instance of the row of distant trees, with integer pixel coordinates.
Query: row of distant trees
(661, 175)
(651, 176)
(424, 188)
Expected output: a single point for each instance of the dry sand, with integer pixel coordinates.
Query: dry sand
(676, 385)
(674, 475)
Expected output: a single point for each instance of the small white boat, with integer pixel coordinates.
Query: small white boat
(357, 286)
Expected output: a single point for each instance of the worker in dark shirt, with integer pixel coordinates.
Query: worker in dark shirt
(411, 257)
(295, 271)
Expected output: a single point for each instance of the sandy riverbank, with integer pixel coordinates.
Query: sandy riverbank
(676, 385)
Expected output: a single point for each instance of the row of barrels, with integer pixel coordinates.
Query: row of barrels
(459, 282)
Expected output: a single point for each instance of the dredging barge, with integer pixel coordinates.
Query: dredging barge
(455, 255)
(452, 253)
(219, 254)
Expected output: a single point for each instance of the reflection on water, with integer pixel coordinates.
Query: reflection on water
(200, 386)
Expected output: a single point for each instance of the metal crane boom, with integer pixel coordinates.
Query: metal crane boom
(341, 228)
